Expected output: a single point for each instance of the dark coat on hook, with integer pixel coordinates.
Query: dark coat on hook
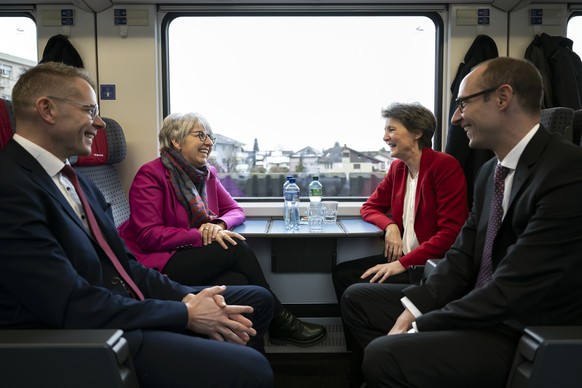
(482, 49)
(60, 49)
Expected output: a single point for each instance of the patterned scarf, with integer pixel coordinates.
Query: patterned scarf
(189, 185)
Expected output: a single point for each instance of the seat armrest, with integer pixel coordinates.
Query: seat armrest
(66, 359)
(430, 266)
(548, 356)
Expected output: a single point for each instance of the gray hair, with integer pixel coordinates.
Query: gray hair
(177, 126)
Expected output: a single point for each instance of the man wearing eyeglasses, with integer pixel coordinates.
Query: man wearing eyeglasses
(516, 262)
(65, 266)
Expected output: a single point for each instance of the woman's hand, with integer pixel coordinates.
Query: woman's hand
(216, 233)
(382, 272)
(392, 243)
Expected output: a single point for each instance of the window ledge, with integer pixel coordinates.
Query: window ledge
(275, 209)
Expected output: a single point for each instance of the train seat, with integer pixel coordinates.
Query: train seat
(559, 120)
(66, 359)
(108, 149)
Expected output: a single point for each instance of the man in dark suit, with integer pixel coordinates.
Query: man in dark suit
(460, 327)
(56, 275)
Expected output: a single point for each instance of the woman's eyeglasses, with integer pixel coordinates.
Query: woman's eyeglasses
(203, 136)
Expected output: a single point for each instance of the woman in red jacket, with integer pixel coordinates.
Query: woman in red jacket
(421, 204)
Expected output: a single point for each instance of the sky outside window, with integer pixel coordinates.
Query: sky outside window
(575, 33)
(18, 37)
(293, 82)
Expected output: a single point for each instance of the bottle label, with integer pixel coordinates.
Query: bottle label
(291, 197)
(316, 192)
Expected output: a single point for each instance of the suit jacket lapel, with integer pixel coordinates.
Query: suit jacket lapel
(42, 179)
(529, 157)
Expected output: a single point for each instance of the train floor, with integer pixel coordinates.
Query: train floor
(310, 370)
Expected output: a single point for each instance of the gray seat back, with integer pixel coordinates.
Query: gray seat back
(558, 120)
(108, 149)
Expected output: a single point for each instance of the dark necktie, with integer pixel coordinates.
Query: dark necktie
(98, 235)
(495, 216)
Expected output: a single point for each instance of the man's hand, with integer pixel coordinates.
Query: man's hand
(403, 323)
(209, 314)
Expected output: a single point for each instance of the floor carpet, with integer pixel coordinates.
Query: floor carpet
(310, 370)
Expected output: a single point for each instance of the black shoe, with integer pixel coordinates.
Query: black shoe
(286, 328)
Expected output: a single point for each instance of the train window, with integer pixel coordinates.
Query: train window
(574, 33)
(18, 50)
(300, 95)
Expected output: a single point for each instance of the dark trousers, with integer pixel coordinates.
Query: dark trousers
(165, 359)
(451, 358)
(347, 273)
(213, 265)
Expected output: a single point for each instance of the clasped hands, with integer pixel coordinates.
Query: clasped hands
(208, 314)
(216, 232)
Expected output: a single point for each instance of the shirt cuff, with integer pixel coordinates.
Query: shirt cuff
(407, 303)
(410, 306)
(414, 328)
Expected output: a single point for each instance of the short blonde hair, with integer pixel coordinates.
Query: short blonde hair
(50, 78)
(177, 126)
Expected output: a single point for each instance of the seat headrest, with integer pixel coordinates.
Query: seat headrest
(558, 120)
(108, 146)
(6, 122)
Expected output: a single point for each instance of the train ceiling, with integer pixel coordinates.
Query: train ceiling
(101, 5)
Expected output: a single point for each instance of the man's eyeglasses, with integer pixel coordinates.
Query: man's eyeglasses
(91, 109)
(462, 101)
(203, 135)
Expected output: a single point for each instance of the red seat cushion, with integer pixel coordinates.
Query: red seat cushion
(99, 151)
(6, 130)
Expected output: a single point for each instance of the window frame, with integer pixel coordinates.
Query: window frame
(344, 9)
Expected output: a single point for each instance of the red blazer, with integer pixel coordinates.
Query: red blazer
(159, 224)
(441, 204)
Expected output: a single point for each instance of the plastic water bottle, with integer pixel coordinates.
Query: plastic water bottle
(315, 190)
(291, 195)
(315, 214)
(285, 202)
(286, 182)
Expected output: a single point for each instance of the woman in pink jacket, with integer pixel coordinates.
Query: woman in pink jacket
(180, 220)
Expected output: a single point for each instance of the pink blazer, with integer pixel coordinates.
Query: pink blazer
(441, 204)
(158, 224)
